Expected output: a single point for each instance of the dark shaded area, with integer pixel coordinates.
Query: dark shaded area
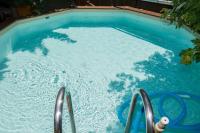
(19, 9)
(50, 5)
(163, 72)
(166, 73)
(33, 41)
(119, 84)
(3, 67)
(5, 12)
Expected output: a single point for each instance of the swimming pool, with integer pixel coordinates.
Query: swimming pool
(100, 56)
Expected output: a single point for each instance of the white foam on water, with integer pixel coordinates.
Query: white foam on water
(28, 91)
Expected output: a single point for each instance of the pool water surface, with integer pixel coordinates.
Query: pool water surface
(100, 56)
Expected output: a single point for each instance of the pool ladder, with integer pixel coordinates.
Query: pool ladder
(150, 127)
(59, 111)
(147, 108)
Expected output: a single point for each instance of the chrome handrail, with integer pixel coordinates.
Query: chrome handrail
(147, 108)
(71, 113)
(59, 111)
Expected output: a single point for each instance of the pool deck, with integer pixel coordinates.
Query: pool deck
(11, 20)
(123, 8)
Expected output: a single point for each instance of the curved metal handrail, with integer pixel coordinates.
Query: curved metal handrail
(147, 108)
(59, 110)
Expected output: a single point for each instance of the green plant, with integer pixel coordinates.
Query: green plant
(186, 12)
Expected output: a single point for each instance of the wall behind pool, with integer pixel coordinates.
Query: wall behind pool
(144, 26)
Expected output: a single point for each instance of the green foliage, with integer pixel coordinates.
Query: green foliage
(186, 12)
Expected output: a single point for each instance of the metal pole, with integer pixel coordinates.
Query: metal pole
(58, 111)
(71, 113)
(130, 114)
(147, 109)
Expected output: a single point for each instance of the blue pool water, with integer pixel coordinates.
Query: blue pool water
(101, 56)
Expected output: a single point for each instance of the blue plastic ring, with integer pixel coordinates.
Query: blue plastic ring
(183, 111)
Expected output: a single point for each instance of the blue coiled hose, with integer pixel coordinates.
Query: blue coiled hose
(175, 123)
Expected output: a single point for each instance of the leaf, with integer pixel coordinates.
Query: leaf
(186, 12)
(186, 56)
